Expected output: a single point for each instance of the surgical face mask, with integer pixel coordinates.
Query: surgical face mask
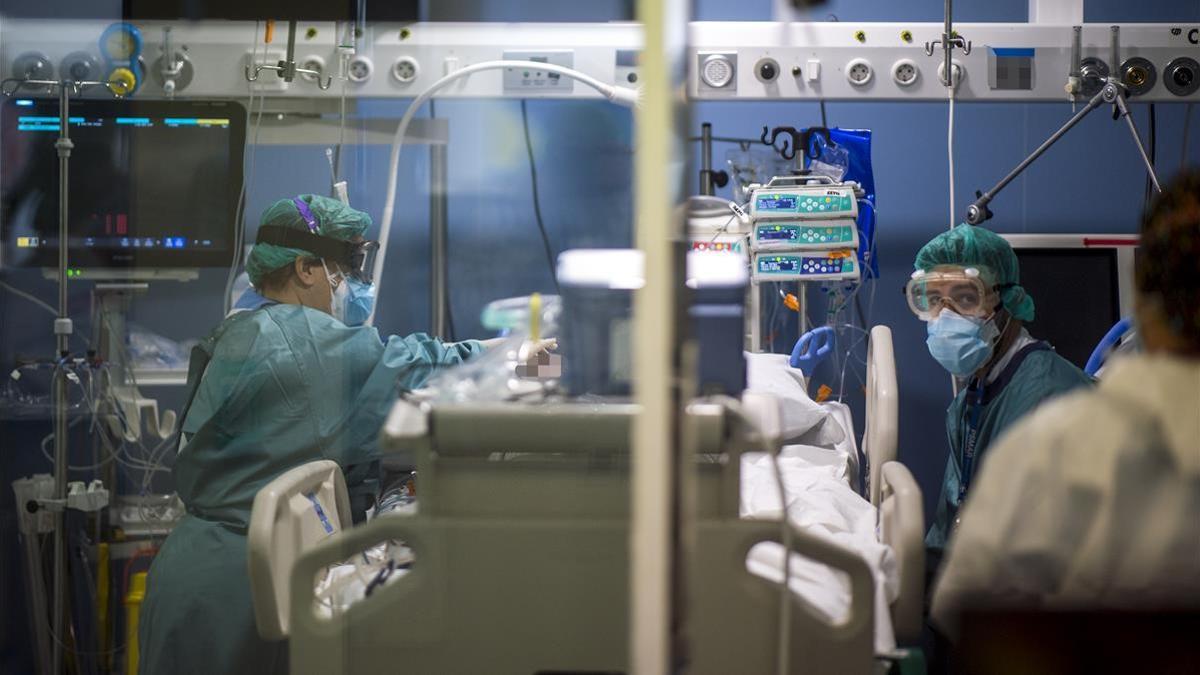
(360, 301)
(962, 344)
(351, 300)
(339, 294)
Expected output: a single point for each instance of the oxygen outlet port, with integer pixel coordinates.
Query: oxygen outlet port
(1181, 76)
(1138, 75)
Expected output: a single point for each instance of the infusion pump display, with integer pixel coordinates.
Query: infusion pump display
(801, 266)
(790, 236)
(804, 202)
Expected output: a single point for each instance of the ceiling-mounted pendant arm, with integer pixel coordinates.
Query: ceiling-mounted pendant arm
(1123, 111)
(978, 212)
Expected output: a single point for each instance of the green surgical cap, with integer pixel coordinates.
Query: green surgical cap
(970, 245)
(334, 219)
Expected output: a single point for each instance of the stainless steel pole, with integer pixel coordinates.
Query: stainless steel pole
(706, 142)
(438, 226)
(291, 48)
(947, 73)
(62, 332)
(802, 297)
(1115, 49)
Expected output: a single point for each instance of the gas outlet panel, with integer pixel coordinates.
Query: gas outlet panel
(887, 61)
(725, 60)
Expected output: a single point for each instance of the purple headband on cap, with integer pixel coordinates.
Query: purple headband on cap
(306, 213)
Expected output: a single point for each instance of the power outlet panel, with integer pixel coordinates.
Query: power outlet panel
(534, 79)
(627, 71)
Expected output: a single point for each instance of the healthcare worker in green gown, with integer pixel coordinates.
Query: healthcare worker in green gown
(967, 288)
(289, 377)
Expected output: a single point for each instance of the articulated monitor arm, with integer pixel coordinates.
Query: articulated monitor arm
(1113, 92)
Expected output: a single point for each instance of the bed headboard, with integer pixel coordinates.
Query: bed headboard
(291, 515)
(883, 408)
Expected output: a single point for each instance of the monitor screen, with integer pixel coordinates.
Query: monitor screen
(152, 184)
(1076, 292)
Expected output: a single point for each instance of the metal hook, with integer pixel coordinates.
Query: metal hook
(931, 46)
(254, 78)
(328, 83)
(787, 152)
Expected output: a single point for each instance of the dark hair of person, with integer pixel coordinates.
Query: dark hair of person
(1168, 261)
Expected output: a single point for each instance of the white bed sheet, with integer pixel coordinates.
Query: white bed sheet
(820, 465)
(821, 503)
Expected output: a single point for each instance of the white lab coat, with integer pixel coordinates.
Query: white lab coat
(1092, 501)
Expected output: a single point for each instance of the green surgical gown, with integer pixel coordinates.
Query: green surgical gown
(1035, 374)
(270, 389)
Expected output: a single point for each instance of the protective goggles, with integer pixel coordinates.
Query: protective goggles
(354, 259)
(963, 290)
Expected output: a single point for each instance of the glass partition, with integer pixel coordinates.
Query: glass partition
(327, 327)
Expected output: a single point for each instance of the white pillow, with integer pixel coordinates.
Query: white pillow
(803, 420)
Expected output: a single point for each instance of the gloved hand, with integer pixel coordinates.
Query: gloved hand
(812, 348)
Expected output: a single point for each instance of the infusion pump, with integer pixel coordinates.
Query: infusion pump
(804, 228)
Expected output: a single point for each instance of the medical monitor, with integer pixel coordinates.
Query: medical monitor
(153, 185)
(1081, 285)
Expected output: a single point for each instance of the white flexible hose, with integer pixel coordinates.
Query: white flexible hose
(621, 95)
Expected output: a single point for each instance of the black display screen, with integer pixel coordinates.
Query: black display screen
(778, 265)
(782, 202)
(786, 234)
(1076, 294)
(153, 184)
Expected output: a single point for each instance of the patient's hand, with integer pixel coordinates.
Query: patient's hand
(531, 349)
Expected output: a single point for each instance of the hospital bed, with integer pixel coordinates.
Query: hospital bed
(521, 546)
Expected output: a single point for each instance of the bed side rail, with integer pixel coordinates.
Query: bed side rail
(290, 515)
(902, 526)
(883, 407)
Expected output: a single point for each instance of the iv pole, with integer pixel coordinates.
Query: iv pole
(62, 333)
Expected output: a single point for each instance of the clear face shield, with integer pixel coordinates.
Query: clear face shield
(962, 289)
